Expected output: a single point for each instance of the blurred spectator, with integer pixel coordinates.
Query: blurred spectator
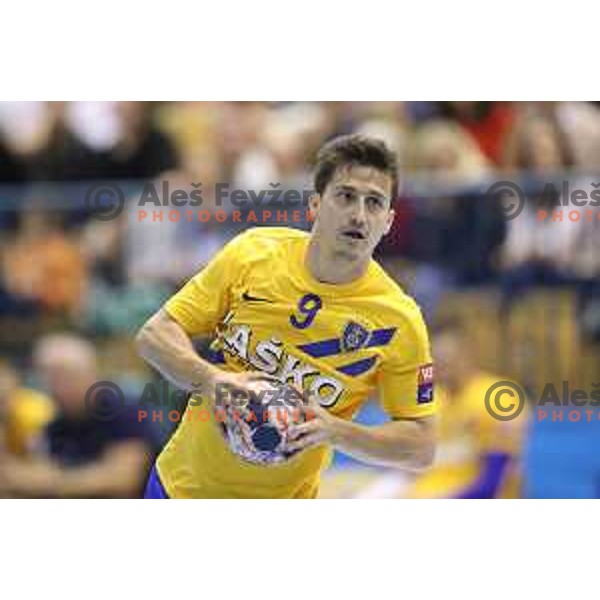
(288, 134)
(12, 169)
(477, 456)
(246, 162)
(24, 413)
(538, 251)
(138, 260)
(80, 456)
(568, 129)
(141, 150)
(586, 268)
(23, 130)
(581, 121)
(161, 250)
(41, 264)
(538, 142)
(52, 144)
(102, 245)
(60, 154)
(453, 232)
(445, 152)
(487, 122)
(387, 121)
(75, 141)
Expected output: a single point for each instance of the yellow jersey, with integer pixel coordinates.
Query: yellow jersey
(340, 342)
(29, 412)
(466, 433)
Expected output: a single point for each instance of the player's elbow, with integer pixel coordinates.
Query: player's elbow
(142, 339)
(424, 456)
(422, 453)
(147, 338)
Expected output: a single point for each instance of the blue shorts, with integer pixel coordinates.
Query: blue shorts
(154, 487)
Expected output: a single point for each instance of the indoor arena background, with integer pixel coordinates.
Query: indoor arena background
(525, 291)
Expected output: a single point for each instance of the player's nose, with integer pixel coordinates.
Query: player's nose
(359, 213)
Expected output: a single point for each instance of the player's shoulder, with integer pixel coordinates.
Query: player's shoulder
(392, 295)
(391, 307)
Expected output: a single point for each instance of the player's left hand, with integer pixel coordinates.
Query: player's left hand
(318, 428)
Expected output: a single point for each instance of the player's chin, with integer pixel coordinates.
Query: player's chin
(354, 249)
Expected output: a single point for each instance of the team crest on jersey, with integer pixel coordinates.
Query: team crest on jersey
(354, 337)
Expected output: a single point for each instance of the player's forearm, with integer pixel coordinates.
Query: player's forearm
(401, 444)
(166, 346)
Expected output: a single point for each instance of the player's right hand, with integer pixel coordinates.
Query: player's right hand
(226, 385)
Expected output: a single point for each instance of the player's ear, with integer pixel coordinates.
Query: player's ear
(390, 220)
(314, 202)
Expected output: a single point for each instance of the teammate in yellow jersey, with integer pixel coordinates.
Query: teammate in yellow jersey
(24, 413)
(313, 310)
(478, 455)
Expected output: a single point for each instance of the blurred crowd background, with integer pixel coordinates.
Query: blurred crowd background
(516, 300)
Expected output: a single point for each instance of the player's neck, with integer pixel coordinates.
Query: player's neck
(327, 267)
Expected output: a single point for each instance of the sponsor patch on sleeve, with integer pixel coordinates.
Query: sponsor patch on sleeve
(425, 384)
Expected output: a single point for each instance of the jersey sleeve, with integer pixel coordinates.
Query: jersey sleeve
(405, 383)
(203, 302)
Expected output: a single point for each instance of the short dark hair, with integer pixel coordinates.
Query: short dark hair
(354, 150)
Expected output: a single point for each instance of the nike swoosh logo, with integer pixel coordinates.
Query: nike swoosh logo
(248, 298)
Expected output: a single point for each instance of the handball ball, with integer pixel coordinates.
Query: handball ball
(259, 431)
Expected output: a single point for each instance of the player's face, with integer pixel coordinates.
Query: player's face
(355, 211)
